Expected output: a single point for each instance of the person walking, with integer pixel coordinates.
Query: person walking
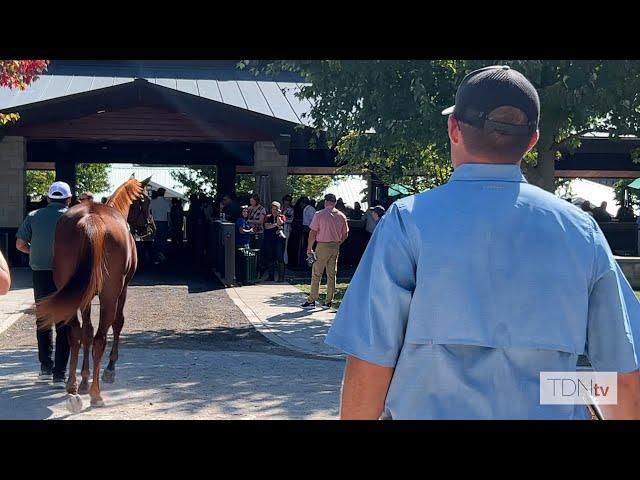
(35, 238)
(469, 292)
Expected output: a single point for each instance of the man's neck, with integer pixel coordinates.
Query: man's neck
(479, 161)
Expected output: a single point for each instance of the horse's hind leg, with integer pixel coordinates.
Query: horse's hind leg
(87, 340)
(109, 374)
(74, 342)
(74, 403)
(108, 307)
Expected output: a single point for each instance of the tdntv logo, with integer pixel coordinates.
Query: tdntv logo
(578, 388)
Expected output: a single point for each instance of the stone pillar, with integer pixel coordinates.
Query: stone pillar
(267, 161)
(13, 153)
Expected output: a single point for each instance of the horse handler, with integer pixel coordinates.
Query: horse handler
(475, 298)
(35, 238)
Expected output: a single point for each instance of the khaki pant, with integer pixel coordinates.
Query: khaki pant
(327, 259)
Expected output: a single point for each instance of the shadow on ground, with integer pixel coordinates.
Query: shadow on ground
(243, 339)
(175, 384)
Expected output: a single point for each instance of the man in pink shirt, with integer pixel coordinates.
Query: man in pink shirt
(329, 228)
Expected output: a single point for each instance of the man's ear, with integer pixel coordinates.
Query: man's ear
(533, 140)
(453, 127)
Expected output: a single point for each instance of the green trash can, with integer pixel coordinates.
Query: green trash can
(247, 265)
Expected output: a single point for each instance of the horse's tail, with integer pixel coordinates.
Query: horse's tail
(87, 279)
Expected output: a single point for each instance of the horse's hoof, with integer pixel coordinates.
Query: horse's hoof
(83, 389)
(97, 402)
(74, 403)
(108, 376)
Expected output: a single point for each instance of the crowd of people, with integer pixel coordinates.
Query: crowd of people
(268, 229)
(600, 214)
(271, 232)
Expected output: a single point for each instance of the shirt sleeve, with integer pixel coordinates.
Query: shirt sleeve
(613, 310)
(24, 232)
(314, 223)
(372, 318)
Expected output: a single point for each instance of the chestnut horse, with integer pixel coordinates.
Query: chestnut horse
(95, 254)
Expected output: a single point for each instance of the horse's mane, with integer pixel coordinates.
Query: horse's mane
(125, 195)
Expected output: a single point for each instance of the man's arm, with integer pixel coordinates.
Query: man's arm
(23, 246)
(614, 313)
(364, 390)
(345, 231)
(5, 276)
(312, 239)
(628, 406)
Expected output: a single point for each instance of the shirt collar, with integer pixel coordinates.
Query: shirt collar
(488, 171)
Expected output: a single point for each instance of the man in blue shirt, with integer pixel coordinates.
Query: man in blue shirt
(467, 292)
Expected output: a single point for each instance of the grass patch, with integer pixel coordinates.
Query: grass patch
(337, 298)
(637, 294)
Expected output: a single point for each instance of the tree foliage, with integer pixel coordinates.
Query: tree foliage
(197, 180)
(89, 178)
(384, 116)
(311, 186)
(19, 74)
(37, 182)
(92, 177)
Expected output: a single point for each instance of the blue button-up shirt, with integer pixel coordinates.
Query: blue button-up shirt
(471, 289)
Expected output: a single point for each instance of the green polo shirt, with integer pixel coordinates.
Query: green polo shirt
(39, 229)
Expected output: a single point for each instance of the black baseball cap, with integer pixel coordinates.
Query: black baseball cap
(484, 90)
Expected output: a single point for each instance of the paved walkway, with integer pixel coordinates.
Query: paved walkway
(19, 300)
(183, 384)
(203, 360)
(274, 310)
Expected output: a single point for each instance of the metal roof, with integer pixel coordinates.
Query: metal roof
(272, 96)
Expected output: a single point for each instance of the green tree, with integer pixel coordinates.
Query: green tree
(311, 186)
(245, 184)
(37, 182)
(89, 178)
(633, 196)
(197, 180)
(383, 116)
(576, 98)
(92, 177)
